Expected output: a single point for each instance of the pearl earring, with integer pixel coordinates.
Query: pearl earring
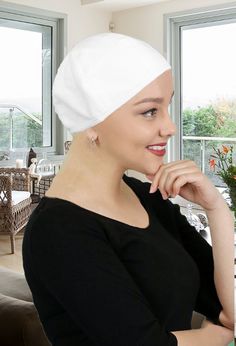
(93, 141)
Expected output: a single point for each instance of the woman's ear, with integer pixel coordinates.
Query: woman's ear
(91, 133)
(92, 136)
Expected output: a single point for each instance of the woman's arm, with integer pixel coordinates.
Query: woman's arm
(184, 177)
(208, 335)
(221, 227)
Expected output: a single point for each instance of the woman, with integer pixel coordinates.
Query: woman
(109, 259)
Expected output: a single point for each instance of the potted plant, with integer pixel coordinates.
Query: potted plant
(226, 169)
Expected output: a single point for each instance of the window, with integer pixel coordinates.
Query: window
(28, 62)
(203, 58)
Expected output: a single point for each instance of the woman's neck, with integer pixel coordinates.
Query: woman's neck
(86, 170)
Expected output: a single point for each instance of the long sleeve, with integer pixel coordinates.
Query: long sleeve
(207, 302)
(76, 264)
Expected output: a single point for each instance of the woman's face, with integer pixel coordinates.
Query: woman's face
(139, 123)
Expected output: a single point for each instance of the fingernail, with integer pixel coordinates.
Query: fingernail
(165, 196)
(152, 189)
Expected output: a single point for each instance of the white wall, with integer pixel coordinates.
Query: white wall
(146, 22)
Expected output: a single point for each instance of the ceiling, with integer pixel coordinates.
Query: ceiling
(118, 5)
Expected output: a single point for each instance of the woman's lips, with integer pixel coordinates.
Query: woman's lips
(157, 152)
(158, 149)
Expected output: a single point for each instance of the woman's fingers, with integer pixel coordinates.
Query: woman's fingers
(184, 179)
(168, 173)
(170, 184)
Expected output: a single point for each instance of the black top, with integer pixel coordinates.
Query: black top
(101, 282)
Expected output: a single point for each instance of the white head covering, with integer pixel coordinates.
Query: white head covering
(100, 74)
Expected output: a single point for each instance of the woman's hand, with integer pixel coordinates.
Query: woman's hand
(224, 335)
(184, 178)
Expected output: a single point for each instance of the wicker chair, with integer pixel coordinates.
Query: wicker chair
(15, 201)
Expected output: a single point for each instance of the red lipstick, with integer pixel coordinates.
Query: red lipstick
(156, 149)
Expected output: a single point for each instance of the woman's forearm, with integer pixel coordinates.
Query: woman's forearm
(208, 335)
(222, 234)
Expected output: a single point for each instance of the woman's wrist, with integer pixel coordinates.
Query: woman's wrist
(219, 203)
(224, 321)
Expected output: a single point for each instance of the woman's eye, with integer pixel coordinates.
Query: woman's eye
(152, 112)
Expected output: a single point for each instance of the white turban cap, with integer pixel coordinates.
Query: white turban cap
(100, 74)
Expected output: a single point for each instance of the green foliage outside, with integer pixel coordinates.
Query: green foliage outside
(215, 120)
(26, 132)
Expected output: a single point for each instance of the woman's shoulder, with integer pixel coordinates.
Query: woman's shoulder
(56, 223)
(53, 213)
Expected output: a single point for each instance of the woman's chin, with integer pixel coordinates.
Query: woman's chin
(150, 170)
(150, 176)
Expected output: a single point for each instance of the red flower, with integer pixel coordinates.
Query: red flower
(212, 164)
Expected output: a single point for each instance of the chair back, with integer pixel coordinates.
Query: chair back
(5, 191)
(20, 177)
(14, 209)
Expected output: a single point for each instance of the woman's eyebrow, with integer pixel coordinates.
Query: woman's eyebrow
(153, 99)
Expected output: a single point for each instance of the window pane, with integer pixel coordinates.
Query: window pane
(208, 91)
(25, 88)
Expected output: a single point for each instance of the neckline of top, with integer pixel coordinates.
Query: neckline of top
(145, 206)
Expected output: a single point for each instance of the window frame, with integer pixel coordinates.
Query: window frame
(173, 23)
(58, 22)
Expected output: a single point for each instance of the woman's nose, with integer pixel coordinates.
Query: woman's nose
(168, 127)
